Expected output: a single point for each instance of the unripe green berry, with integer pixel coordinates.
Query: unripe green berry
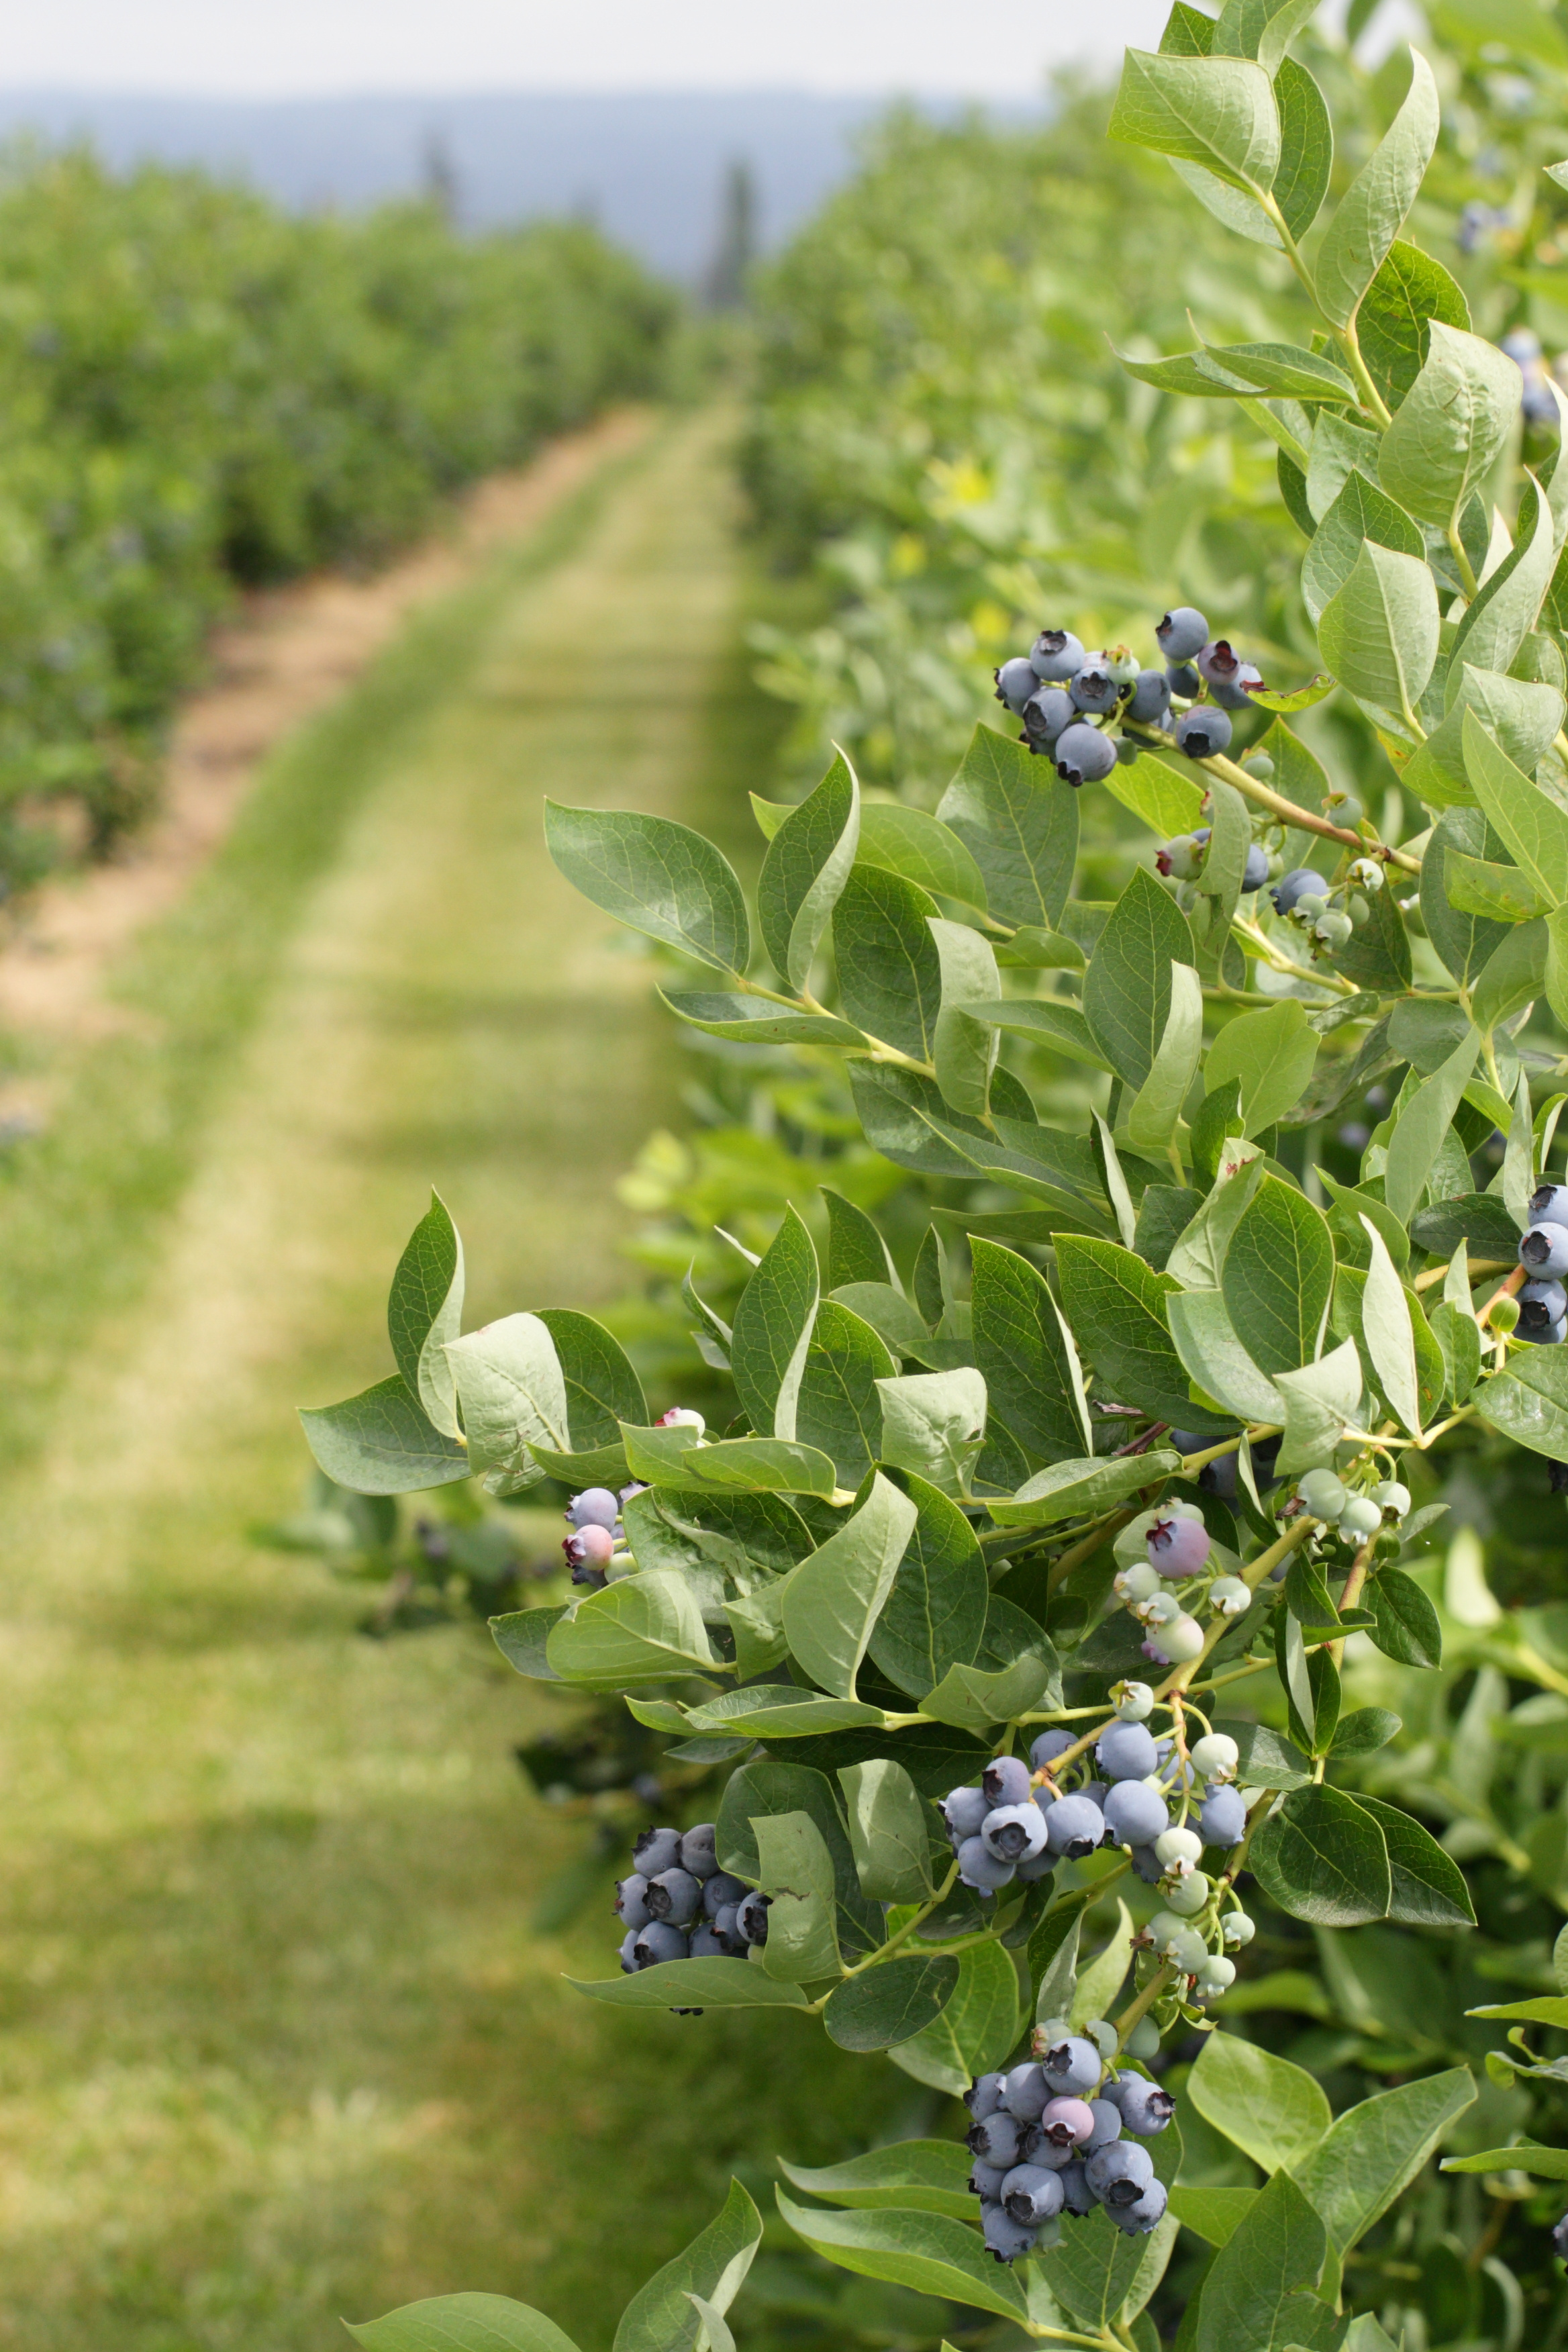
(1190, 1896)
(1322, 1494)
(1237, 1928)
(1361, 1517)
(1390, 1496)
(1504, 1316)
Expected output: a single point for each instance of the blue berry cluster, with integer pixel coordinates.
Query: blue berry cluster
(1060, 2135)
(678, 1905)
(1327, 911)
(1070, 700)
(1543, 1301)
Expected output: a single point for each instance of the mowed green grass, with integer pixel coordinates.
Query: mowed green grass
(276, 2043)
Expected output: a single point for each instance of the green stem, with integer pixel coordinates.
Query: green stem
(874, 1960)
(1141, 2003)
(1466, 568)
(1346, 338)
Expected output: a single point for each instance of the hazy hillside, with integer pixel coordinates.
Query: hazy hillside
(647, 166)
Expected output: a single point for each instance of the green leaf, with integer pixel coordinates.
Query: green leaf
(1115, 1304)
(1519, 2156)
(1271, 1055)
(1389, 1333)
(1379, 633)
(1322, 1858)
(773, 1329)
(642, 1629)
(1521, 715)
(1321, 1402)
(602, 1389)
(856, 1250)
(523, 1637)
(1267, 1760)
(1454, 1328)
(971, 1698)
(772, 1785)
(935, 1424)
(1360, 512)
(1535, 828)
(930, 2252)
(1068, 1489)
(1455, 419)
(1100, 1979)
(1501, 893)
(511, 1391)
(462, 2322)
(832, 1599)
(890, 1832)
(1409, 292)
(975, 2030)
(1217, 112)
(1155, 1109)
(1049, 1020)
(1428, 1886)
(1464, 941)
(1024, 1354)
(1168, 801)
(890, 2004)
(777, 1710)
(1370, 212)
(1276, 2112)
(1219, 1365)
(934, 1616)
(694, 1984)
(660, 2317)
(1092, 2267)
(838, 1410)
(1338, 449)
(1263, 29)
(965, 1048)
(656, 877)
(806, 867)
(889, 976)
(1365, 1730)
(919, 2176)
(776, 1466)
(424, 1310)
(908, 841)
(1352, 1202)
(1496, 622)
(752, 1021)
(1257, 2290)
(1407, 1625)
(1019, 825)
(795, 1869)
(1419, 1132)
(1306, 147)
(1127, 991)
(1513, 976)
(1373, 2152)
(382, 1442)
(1279, 1276)
(1212, 2214)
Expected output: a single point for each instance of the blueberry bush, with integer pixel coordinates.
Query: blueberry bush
(1030, 1592)
(200, 393)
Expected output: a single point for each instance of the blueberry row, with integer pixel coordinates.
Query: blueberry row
(678, 1905)
(1050, 2138)
(1068, 699)
(1543, 1300)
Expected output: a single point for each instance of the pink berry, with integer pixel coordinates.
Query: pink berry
(1065, 2120)
(589, 1546)
(1178, 1548)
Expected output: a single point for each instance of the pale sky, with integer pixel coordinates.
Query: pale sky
(259, 49)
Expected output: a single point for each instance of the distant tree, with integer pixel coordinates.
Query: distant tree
(736, 247)
(438, 175)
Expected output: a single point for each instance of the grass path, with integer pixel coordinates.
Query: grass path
(274, 2043)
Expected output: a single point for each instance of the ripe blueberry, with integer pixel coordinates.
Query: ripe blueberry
(1151, 698)
(1137, 2220)
(658, 1941)
(1107, 2125)
(752, 1919)
(674, 1896)
(1300, 883)
(1056, 654)
(1548, 1204)
(697, 1852)
(983, 2096)
(1146, 2109)
(980, 1869)
(1184, 679)
(1045, 1751)
(629, 1953)
(1003, 2237)
(1077, 2197)
(964, 1809)
(1222, 1818)
(1119, 2174)
(1134, 1814)
(1045, 716)
(985, 2180)
(1147, 1865)
(1016, 681)
(720, 1892)
(707, 1946)
(1006, 1781)
(1024, 2092)
(1094, 688)
(1183, 632)
(1541, 1304)
(993, 2138)
(1203, 733)
(1257, 873)
(1085, 756)
(1072, 2065)
(1074, 1826)
(1014, 1833)
(630, 1906)
(656, 1850)
(1032, 2194)
(1126, 1752)
(594, 1506)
